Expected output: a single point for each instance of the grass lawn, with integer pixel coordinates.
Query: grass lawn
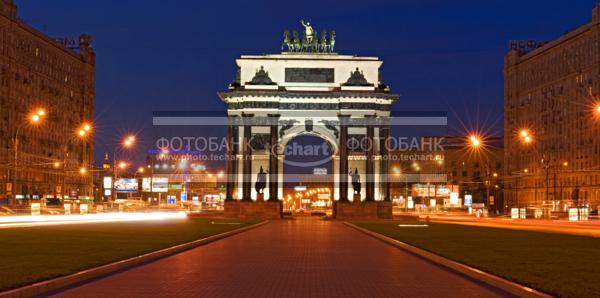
(28, 255)
(562, 265)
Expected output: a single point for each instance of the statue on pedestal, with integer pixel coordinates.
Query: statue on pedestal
(261, 183)
(355, 184)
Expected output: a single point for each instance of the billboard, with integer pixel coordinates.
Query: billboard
(159, 184)
(468, 200)
(107, 182)
(126, 185)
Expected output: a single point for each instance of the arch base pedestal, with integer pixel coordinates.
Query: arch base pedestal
(363, 210)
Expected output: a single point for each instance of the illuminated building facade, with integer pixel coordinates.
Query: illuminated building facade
(58, 77)
(433, 173)
(551, 124)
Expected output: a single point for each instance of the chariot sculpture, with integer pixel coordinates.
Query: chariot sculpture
(310, 42)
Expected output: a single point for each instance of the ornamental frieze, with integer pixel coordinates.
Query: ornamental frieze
(307, 106)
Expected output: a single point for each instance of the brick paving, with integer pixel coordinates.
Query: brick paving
(289, 258)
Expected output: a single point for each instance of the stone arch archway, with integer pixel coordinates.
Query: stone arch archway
(307, 159)
(281, 96)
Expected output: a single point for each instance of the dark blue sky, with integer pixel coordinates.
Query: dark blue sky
(175, 55)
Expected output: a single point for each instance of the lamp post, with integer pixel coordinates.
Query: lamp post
(526, 138)
(35, 118)
(127, 143)
(477, 144)
(82, 133)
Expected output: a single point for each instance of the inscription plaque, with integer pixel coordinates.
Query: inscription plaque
(309, 75)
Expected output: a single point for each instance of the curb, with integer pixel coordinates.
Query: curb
(42, 287)
(487, 278)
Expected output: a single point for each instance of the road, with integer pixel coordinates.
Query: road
(288, 258)
(581, 228)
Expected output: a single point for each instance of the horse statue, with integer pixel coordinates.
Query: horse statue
(322, 46)
(297, 44)
(287, 41)
(331, 42)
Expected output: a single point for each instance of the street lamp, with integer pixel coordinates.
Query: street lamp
(35, 118)
(475, 141)
(127, 143)
(82, 132)
(525, 136)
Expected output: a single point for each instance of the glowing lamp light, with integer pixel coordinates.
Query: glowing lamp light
(524, 133)
(128, 142)
(475, 141)
(82, 171)
(35, 118)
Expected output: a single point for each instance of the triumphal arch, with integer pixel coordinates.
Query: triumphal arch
(308, 89)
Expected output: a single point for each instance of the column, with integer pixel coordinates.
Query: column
(384, 133)
(247, 159)
(273, 158)
(370, 187)
(231, 172)
(343, 190)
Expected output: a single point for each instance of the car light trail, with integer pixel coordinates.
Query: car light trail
(42, 220)
(413, 226)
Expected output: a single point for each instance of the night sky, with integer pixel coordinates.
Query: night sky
(176, 55)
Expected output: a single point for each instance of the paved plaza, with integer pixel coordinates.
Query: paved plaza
(288, 258)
